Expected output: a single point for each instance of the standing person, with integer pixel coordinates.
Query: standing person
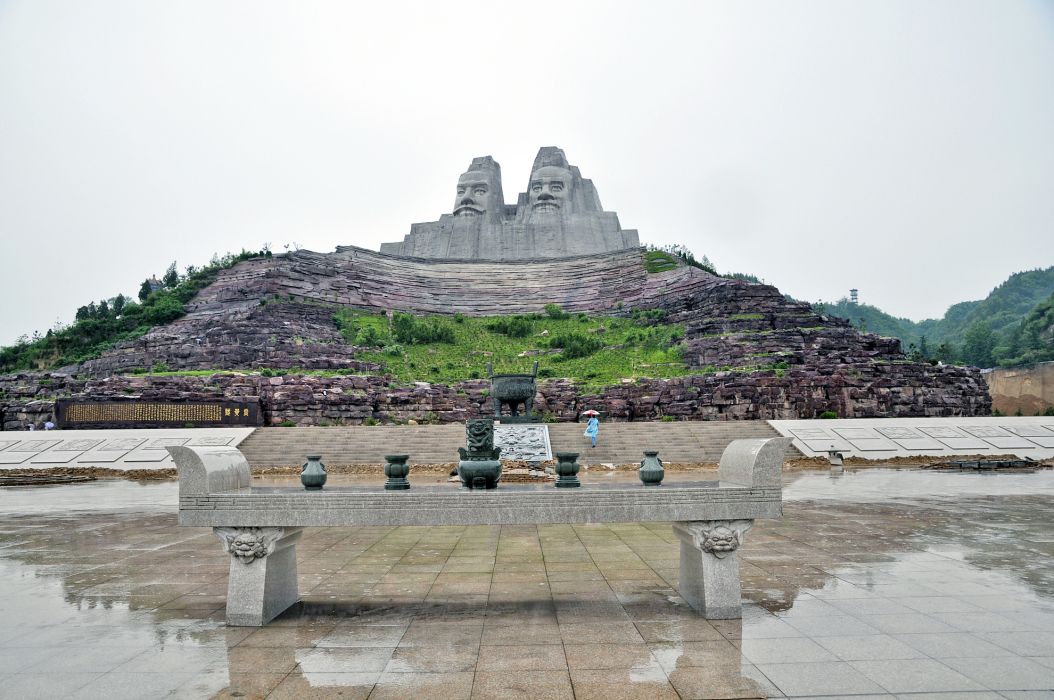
(592, 428)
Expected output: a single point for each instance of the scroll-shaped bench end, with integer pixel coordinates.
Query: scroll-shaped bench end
(205, 470)
(755, 462)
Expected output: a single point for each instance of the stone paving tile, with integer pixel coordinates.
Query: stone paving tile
(85, 660)
(600, 633)
(364, 636)
(343, 659)
(442, 634)
(540, 685)
(823, 678)
(777, 651)
(1005, 673)
(625, 684)
(307, 686)
(530, 657)
(432, 659)
(1022, 643)
(832, 626)
(867, 647)
(964, 695)
(732, 681)
(694, 654)
(246, 660)
(608, 656)
(250, 685)
(915, 676)
(423, 686)
(495, 633)
(45, 685)
(135, 686)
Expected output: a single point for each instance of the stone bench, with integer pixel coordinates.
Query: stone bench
(260, 525)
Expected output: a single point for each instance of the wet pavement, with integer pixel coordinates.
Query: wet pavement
(881, 583)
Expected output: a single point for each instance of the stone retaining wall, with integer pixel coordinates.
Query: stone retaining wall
(864, 390)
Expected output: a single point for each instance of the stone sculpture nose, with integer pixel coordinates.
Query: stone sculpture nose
(466, 200)
(544, 196)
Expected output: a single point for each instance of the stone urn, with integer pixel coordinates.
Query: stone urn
(651, 471)
(396, 469)
(567, 470)
(313, 476)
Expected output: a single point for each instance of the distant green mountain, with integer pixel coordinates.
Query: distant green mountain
(975, 332)
(1032, 340)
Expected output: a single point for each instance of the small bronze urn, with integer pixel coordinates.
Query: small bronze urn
(313, 476)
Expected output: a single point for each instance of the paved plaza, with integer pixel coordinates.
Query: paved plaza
(880, 583)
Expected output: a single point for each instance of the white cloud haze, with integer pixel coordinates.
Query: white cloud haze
(905, 148)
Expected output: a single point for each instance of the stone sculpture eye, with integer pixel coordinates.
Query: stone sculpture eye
(481, 190)
(461, 190)
(556, 187)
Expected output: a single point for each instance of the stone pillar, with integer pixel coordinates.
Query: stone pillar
(709, 578)
(262, 582)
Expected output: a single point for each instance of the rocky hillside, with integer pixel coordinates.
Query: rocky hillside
(749, 352)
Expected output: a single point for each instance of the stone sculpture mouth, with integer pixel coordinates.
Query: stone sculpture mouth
(468, 210)
(546, 206)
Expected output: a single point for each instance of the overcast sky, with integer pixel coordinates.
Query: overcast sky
(904, 148)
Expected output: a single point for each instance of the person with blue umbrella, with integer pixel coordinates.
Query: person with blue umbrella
(593, 426)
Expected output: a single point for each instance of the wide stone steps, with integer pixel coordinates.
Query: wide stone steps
(619, 443)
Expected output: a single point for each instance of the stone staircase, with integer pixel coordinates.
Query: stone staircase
(619, 443)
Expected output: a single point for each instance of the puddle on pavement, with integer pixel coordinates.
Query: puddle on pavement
(903, 566)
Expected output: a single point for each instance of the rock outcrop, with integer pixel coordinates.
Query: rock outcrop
(756, 354)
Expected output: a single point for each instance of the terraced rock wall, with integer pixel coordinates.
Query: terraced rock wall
(898, 389)
(758, 355)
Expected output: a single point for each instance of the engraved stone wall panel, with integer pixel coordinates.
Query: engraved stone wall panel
(1041, 435)
(820, 440)
(210, 441)
(999, 438)
(942, 438)
(162, 443)
(80, 414)
(65, 452)
(955, 439)
(529, 443)
(54, 457)
(866, 440)
(34, 445)
(911, 439)
(122, 445)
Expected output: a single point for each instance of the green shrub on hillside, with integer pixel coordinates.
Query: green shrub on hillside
(100, 326)
(571, 347)
(512, 326)
(574, 345)
(554, 311)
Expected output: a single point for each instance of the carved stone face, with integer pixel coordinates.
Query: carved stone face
(720, 541)
(477, 194)
(247, 546)
(549, 192)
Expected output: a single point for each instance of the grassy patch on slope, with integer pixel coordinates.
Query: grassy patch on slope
(598, 351)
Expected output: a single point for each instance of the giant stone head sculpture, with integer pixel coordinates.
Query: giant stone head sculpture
(549, 193)
(479, 191)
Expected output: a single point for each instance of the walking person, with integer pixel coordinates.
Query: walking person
(592, 428)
